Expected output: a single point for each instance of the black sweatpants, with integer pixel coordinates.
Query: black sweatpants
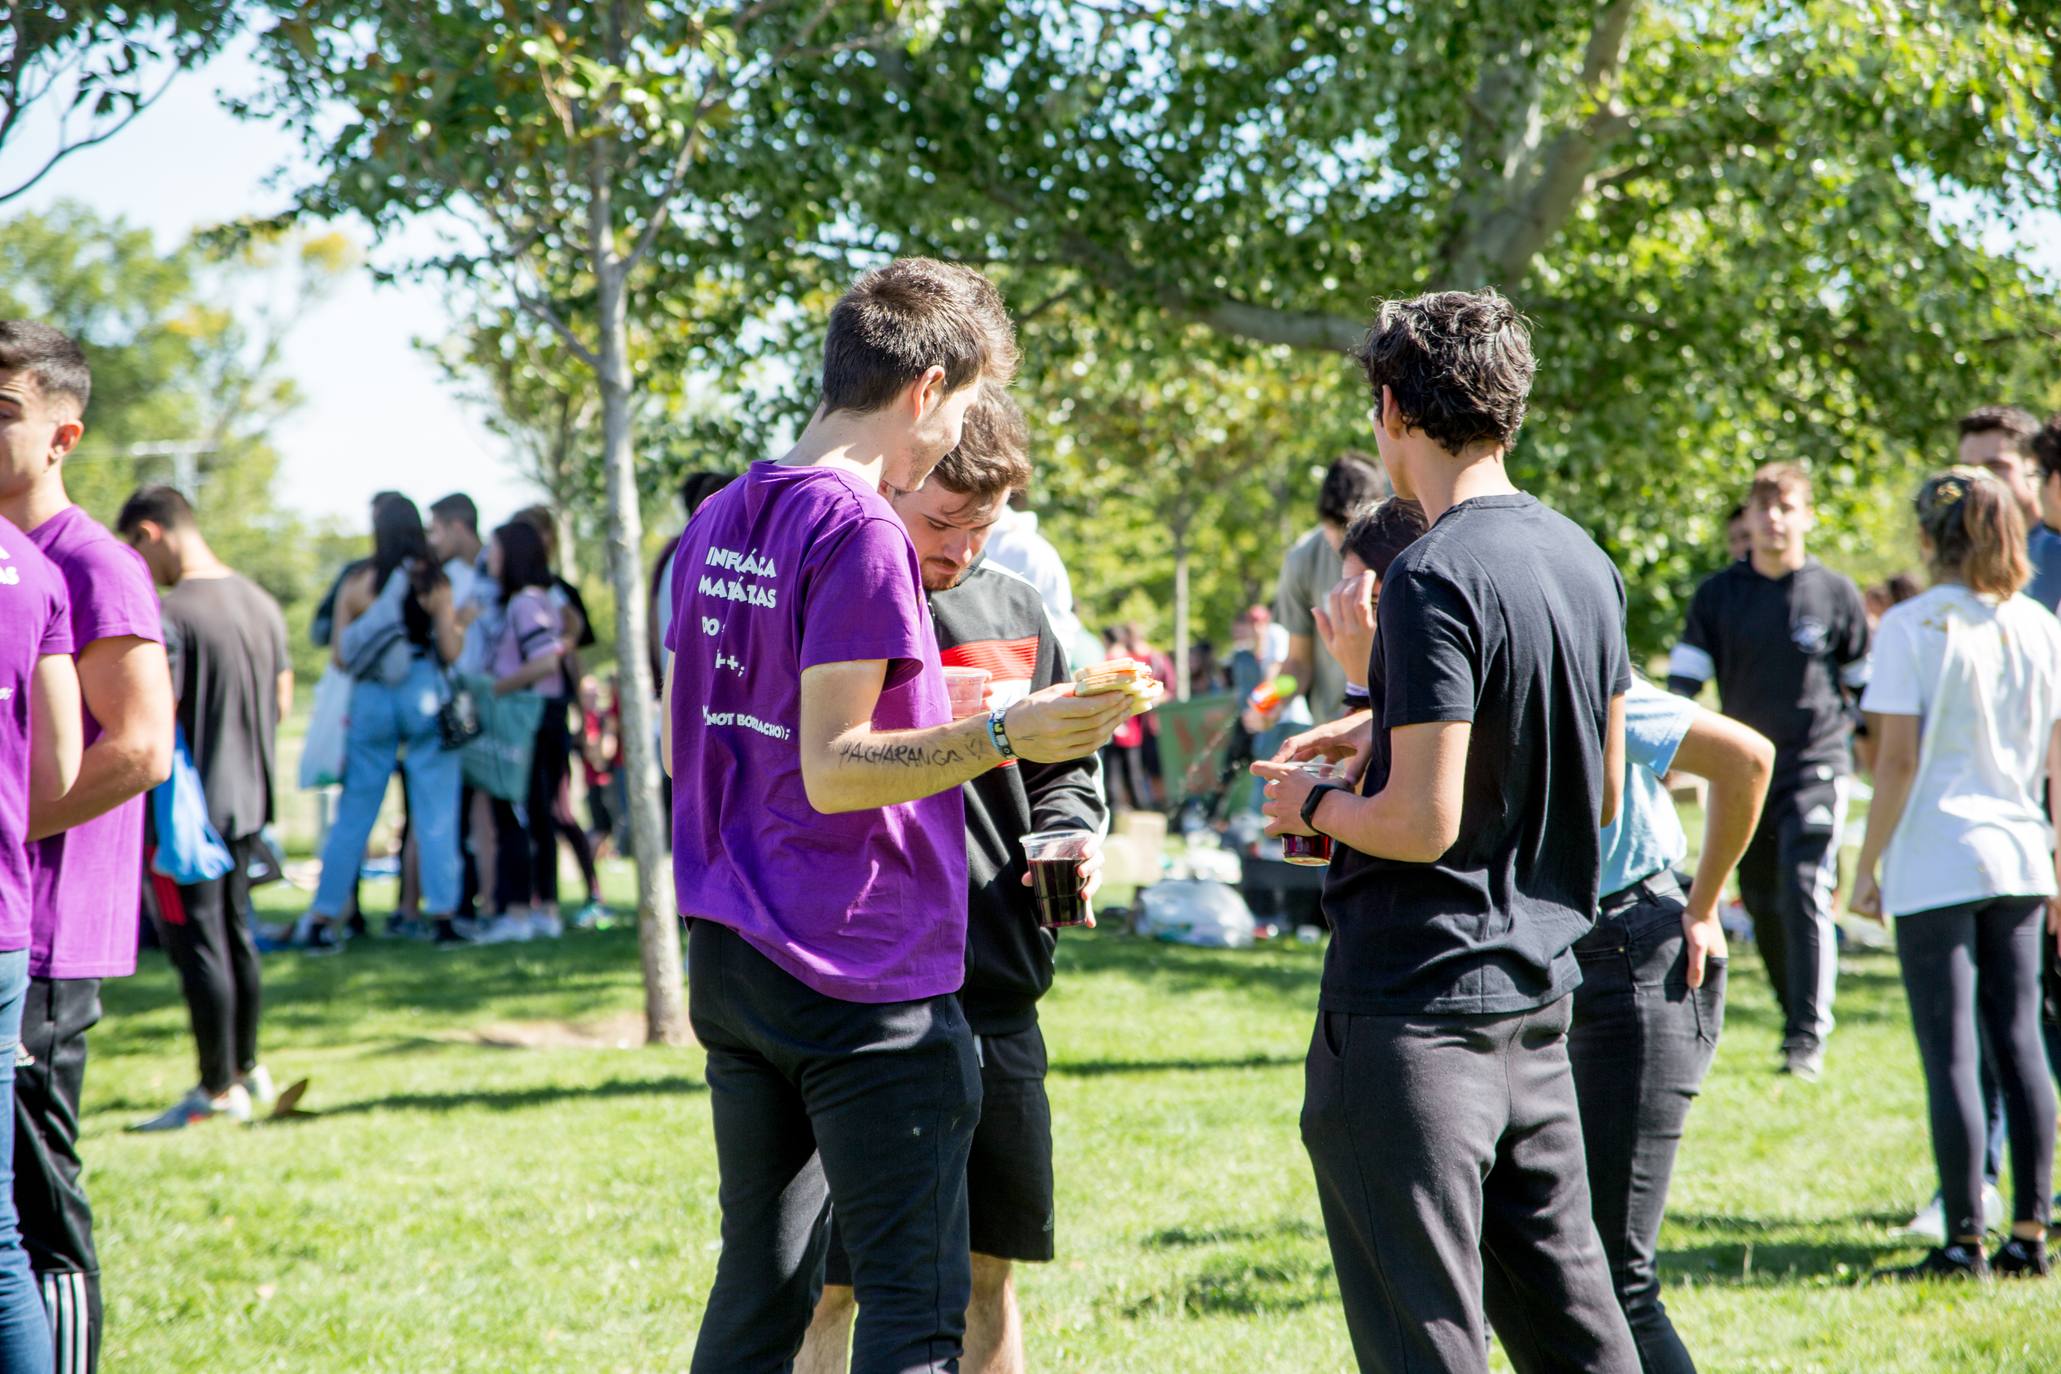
(867, 1107)
(205, 928)
(1641, 1044)
(526, 845)
(1448, 1154)
(1787, 879)
(56, 1223)
(1961, 963)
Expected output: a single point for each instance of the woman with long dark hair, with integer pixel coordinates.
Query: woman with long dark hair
(529, 657)
(394, 718)
(1963, 705)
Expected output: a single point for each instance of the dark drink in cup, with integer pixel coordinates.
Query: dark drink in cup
(1055, 859)
(1312, 850)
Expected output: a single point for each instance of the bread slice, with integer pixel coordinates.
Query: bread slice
(1117, 675)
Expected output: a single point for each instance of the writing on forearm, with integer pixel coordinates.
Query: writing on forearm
(907, 755)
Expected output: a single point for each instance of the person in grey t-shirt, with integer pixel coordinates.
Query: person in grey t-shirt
(1309, 572)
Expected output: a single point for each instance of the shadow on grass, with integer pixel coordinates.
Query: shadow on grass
(1097, 1068)
(1766, 1252)
(1183, 1237)
(512, 1099)
(1241, 1286)
(1283, 972)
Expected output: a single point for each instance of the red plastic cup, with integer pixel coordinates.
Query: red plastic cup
(968, 688)
(1055, 858)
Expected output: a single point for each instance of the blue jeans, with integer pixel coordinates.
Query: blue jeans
(387, 723)
(24, 1329)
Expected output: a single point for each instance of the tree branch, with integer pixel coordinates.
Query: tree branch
(65, 150)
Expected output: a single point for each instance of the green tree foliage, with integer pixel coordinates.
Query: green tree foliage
(1724, 220)
(187, 384)
(95, 67)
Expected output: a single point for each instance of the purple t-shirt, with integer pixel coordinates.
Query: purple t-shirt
(35, 622)
(785, 569)
(87, 881)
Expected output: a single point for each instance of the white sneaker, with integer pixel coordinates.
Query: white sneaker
(545, 925)
(511, 929)
(1930, 1223)
(196, 1107)
(258, 1083)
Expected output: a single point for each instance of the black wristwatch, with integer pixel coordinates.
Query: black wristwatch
(1316, 799)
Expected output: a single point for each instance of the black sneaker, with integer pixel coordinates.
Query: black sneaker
(448, 934)
(323, 940)
(2018, 1258)
(1803, 1060)
(1945, 1263)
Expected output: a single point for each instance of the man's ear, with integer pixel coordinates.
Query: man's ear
(1392, 422)
(927, 393)
(66, 438)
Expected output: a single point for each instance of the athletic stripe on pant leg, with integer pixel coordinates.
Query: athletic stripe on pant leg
(1823, 890)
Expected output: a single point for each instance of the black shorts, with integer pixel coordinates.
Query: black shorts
(1009, 1175)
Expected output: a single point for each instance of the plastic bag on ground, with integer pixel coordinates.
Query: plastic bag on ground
(1191, 912)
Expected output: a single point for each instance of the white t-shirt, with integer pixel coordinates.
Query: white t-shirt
(1015, 544)
(1984, 679)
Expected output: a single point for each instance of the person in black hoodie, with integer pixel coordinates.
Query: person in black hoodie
(988, 617)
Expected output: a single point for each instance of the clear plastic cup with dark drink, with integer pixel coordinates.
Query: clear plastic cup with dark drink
(1312, 851)
(1055, 858)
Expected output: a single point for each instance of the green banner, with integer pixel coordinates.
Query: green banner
(1192, 735)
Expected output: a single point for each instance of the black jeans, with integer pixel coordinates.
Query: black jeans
(1641, 1043)
(1786, 878)
(1981, 959)
(205, 928)
(56, 1223)
(870, 1107)
(1448, 1154)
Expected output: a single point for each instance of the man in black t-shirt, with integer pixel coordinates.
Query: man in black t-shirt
(1439, 1107)
(1787, 640)
(226, 641)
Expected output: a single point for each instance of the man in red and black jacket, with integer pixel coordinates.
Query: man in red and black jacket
(988, 617)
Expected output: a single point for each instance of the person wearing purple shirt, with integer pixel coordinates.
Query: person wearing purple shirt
(39, 762)
(819, 842)
(86, 850)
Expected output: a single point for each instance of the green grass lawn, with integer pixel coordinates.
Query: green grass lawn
(460, 1206)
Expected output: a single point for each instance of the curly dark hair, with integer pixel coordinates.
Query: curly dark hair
(1458, 363)
(2046, 447)
(1380, 532)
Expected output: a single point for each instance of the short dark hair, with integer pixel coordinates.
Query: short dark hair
(2016, 421)
(1382, 531)
(540, 519)
(914, 314)
(993, 456)
(1736, 513)
(1350, 483)
(524, 562)
(1458, 363)
(161, 505)
(456, 509)
(2046, 447)
(50, 356)
(697, 487)
(1772, 481)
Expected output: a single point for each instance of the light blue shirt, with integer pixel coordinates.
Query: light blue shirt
(1647, 836)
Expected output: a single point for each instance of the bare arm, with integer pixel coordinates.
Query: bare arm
(126, 684)
(534, 671)
(1896, 767)
(1737, 762)
(443, 623)
(665, 719)
(1415, 818)
(847, 765)
(54, 746)
(352, 601)
(282, 689)
(1613, 761)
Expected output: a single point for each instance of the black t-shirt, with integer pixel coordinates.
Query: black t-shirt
(1781, 648)
(1507, 615)
(226, 640)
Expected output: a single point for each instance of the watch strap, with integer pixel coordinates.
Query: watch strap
(998, 733)
(1316, 799)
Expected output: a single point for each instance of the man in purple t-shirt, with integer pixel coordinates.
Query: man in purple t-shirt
(39, 762)
(86, 859)
(820, 848)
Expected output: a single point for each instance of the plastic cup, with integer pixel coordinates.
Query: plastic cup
(1055, 864)
(1311, 851)
(968, 688)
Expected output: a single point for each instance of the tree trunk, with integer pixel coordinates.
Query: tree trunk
(1181, 615)
(658, 927)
